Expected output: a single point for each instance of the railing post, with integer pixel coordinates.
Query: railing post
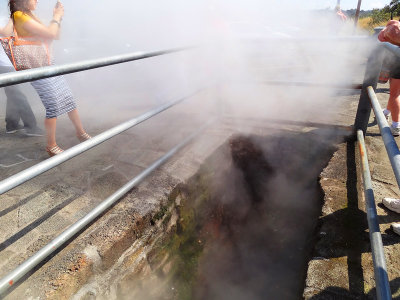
(378, 256)
(374, 66)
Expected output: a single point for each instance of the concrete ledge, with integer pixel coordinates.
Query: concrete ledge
(132, 221)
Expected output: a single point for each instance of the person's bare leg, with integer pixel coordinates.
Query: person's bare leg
(74, 117)
(50, 126)
(394, 99)
(390, 103)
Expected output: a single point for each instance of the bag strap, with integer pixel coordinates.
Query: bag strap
(15, 33)
(18, 40)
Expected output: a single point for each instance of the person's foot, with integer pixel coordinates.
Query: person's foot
(392, 204)
(395, 130)
(396, 228)
(36, 131)
(84, 137)
(14, 130)
(54, 150)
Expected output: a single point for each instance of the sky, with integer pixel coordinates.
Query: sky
(347, 4)
(308, 4)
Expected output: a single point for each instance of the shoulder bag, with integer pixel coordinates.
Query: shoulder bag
(26, 53)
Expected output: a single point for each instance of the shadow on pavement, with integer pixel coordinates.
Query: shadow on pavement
(37, 222)
(334, 293)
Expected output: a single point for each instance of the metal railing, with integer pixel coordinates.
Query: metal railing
(367, 101)
(390, 144)
(34, 74)
(378, 255)
(392, 48)
(17, 274)
(10, 279)
(50, 71)
(29, 173)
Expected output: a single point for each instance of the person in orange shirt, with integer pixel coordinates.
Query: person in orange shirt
(54, 92)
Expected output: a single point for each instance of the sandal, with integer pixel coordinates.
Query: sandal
(54, 150)
(84, 137)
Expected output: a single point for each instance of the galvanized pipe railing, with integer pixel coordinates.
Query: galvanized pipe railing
(392, 48)
(50, 71)
(14, 276)
(316, 39)
(312, 84)
(378, 256)
(390, 144)
(27, 174)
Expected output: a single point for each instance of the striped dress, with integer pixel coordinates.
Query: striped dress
(54, 92)
(56, 96)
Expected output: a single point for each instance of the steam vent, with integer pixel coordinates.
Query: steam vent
(227, 151)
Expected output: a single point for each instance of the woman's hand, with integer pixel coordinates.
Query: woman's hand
(50, 32)
(58, 12)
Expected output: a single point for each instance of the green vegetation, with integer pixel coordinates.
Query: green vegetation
(160, 214)
(184, 251)
(379, 17)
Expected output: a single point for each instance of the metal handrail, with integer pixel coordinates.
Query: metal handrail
(392, 48)
(50, 71)
(29, 173)
(311, 84)
(390, 144)
(14, 276)
(317, 39)
(34, 74)
(378, 256)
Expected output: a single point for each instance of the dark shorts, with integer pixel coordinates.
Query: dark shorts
(395, 72)
(392, 63)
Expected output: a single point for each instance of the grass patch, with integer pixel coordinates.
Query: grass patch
(366, 23)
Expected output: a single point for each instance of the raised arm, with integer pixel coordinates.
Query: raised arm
(391, 33)
(51, 31)
(7, 30)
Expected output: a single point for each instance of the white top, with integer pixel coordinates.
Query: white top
(4, 60)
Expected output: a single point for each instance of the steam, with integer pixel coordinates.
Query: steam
(243, 44)
(99, 28)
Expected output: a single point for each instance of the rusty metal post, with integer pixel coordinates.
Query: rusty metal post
(374, 66)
